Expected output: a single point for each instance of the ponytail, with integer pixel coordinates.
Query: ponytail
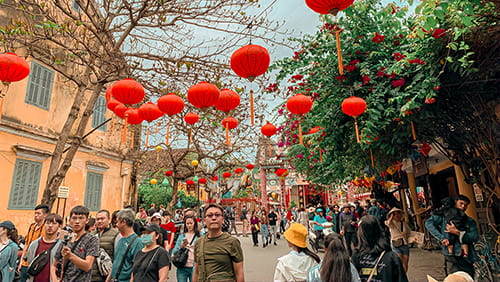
(309, 253)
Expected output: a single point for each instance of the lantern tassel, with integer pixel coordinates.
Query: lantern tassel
(320, 155)
(124, 132)
(252, 110)
(131, 146)
(191, 135)
(301, 142)
(356, 129)
(228, 141)
(147, 139)
(371, 158)
(167, 136)
(156, 129)
(339, 50)
(413, 132)
(1, 105)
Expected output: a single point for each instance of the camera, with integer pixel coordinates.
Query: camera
(67, 237)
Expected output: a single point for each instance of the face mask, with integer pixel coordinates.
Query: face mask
(147, 239)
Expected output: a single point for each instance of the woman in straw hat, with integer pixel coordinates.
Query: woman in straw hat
(295, 265)
(400, 232)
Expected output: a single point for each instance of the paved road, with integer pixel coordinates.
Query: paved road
(260, 263)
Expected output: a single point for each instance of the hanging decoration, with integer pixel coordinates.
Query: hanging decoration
(202, 181)
(282, 172)
(153, 181)
(226, 175)
(238, 170)
(133, 116)
(354, 106)
(228, 100)
(190, 182)
(128, 91)
(299, 104)
(169, 173)
(120, 110)
(191, 118)
(249, 62)
(332, 7)
(149, 112)
(214, 178)
(158, 148)
(268, 129)
(109, 94)
(250, 166)
(203, 95)
(13, 68)
(112, 103)
(229, 123)
(171, 104)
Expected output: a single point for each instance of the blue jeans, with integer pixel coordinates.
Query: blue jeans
(264, 231)
(24, 274)
(184, 273)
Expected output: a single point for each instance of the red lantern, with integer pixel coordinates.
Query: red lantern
(13, 68)
(238, 170)
(191, 118)
(120, 110)
(214, 178)
(281, 172)
(109, 95)
(203, 95)
(354, 106)
(128, 91)
(169, 173)
(229, 123)
(133, 116)
(226, 175)
(328, 6)
(228, 100)
(250, 166)
(190, 182)
(112, 104)
(299, 104)
(250, 61)
(202, 180)
(171, 104)
(149, 112)
(268, 129)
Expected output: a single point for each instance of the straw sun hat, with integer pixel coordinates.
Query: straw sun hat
(296, 234)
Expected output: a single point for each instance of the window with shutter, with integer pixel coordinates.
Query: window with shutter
(93, 191)
(25, 184)
(39, 90)
(99, 115)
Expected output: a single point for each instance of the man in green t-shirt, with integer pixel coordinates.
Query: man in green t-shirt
(218, 255)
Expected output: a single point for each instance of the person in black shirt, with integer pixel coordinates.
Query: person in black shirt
(273, 218)
(151, 264)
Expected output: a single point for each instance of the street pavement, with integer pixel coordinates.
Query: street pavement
(260, 263)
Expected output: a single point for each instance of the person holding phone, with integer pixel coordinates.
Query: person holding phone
(187, 239)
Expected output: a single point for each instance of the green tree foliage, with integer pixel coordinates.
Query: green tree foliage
(162, 195)
(394, 60)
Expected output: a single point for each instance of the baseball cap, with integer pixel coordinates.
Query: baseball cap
(153, 227)
(157, 214)
(7, 225)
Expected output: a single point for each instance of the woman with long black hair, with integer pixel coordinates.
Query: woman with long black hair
(373, 257)
(295, 265)
(336, 265)
(187, 240)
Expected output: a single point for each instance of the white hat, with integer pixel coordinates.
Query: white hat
(156, 214)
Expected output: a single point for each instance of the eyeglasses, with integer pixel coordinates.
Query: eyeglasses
(216, 215)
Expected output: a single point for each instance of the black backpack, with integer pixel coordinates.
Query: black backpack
(40, 261)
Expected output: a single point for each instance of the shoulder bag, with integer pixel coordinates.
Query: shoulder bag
(179, 259)
(375, 267)
(123, 259)
(40, 261)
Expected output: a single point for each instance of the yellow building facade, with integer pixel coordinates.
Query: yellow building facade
(32, 117)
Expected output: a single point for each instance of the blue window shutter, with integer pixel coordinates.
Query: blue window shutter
(39, 90)
(25, 184)
(99, 115)
(93, 191)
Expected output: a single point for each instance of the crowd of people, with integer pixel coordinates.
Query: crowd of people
(368, 243)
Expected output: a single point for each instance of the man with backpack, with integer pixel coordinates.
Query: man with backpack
(108, 238)
(41, 252)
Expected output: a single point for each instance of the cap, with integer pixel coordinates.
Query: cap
(157, 214)
(7, 225)
(296, 234)
(153, 227)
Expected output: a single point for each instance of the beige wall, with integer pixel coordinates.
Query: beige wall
(27, 125)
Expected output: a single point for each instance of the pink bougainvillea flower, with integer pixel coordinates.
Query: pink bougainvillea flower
(398, 56)
(398, 83)
(341, 78)
(391, 76)
(353, 62)
(381, 72)
(438, 33)
(378, 38)
(366, 79)
(350, 68)
(358, 52)
(300, 156)
(416, 61)
(430, 100)
(297, 77)
(296, 55)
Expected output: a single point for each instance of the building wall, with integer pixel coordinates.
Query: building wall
(28, 132)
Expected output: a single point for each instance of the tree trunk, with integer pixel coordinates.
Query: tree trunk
(173, 201)
(59, 171)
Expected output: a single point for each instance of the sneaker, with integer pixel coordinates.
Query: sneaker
(275, 244)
